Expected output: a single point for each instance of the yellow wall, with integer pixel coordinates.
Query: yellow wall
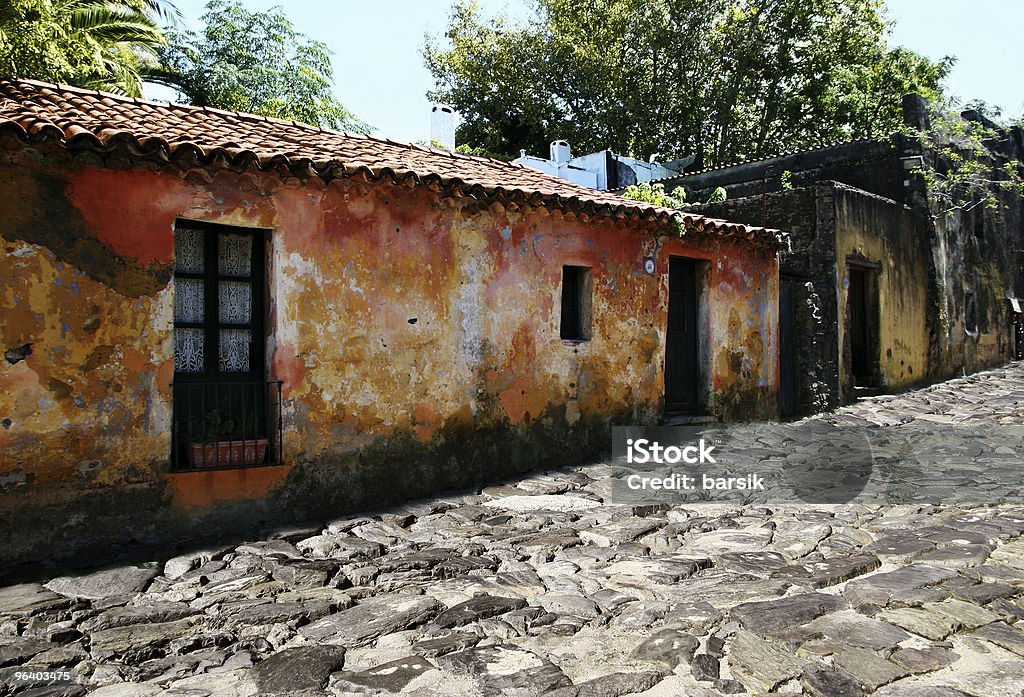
(886, 233)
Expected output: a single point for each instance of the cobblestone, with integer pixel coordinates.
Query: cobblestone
(547, 586)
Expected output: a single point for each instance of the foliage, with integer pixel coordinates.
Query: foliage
(466, 149)
(724, 79)
(786, 180)
(216, 425)
(254, 62)
(718, 195)
(211, 428)
(993, 112)
(958, 169)
(100, 44)
(656, 194)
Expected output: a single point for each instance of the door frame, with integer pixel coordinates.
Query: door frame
(870, 272)
(789, 346)
(247, 393)
(695, 272)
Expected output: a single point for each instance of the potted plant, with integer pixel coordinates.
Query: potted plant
(216, 441)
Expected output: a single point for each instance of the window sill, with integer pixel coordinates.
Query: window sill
(222, 468)
(203, 488)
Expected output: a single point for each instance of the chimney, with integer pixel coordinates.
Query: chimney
(560, 151)
(442, 125)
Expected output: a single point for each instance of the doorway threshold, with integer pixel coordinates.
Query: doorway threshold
(686, 419)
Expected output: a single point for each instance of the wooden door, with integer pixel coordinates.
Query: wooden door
(682, 364)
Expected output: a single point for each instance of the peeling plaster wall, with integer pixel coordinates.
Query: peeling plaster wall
(808, 216)
(881, 231)
(828, 223)
(417, 338)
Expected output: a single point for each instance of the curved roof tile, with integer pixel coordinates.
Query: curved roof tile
(81, 118)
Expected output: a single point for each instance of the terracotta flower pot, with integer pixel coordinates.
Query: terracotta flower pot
(228, 453)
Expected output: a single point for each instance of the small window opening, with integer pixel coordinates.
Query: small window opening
(576, 303)
(971, 315)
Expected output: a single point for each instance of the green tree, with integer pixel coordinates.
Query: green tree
(254, 62)
(959, 169)
(101, 44)
(723, 79)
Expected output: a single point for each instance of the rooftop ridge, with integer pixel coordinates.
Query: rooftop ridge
(766, 158)
(85, 118)
(256, 118)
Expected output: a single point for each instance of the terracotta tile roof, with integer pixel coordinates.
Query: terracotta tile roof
(87, 119)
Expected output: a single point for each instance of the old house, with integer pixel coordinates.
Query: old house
(881, 288)
(212, 319)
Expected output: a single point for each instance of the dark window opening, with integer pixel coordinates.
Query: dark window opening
(978, 217)
(576, 303)
(971, 314)
(226, 414)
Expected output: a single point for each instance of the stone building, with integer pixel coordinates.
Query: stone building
(880, 289)
(212, 319)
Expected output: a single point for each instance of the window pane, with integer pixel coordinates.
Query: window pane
(188, 250)
(188, 350)
(234, 255)
(188, 300)
(234, 350)
(235, 298)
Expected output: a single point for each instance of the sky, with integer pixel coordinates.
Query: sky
(380, 77)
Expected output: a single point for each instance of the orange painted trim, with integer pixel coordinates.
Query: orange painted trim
(203, 489)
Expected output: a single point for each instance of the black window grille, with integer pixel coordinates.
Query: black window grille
(226, 413)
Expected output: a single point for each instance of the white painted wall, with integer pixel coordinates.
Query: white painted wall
(592, 170)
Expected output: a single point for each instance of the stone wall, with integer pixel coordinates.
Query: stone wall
(944, 275)
(978, 260)
(807, 216)
(417, 338)
(829, 223)
(869, 165)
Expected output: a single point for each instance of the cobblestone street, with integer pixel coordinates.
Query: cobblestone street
(544, 586)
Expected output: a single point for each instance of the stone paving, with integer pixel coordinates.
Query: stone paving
(541, 586)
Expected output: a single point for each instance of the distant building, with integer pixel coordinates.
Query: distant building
(877, 292)
(602, 170)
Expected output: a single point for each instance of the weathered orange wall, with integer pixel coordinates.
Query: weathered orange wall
(401, 323)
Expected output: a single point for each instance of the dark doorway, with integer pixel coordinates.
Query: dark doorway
(788, 393)
(862, 326)
(682, 365)
(1018, 334)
